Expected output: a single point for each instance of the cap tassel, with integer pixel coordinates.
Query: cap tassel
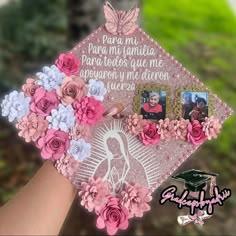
(212, 185)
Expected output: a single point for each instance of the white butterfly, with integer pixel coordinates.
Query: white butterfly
(120, 22)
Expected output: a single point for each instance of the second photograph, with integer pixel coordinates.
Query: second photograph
(194, 105)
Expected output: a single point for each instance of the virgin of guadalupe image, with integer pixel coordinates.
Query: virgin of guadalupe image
(119, 163)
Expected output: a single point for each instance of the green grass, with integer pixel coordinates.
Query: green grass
(201, 34)
(175, 23)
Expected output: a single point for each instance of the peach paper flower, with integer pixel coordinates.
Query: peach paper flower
(80, 131)
(32, 127)
(67, 166)
(30, 87)
(165, 129)
(135, 199)
(71, 89)
(134, 124)
(211, 127)
(94, 194)
(180, 128)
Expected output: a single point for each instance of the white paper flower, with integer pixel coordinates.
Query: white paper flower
(15, 105)
(79, 149)
(63, 118)
(96, 89)
(50, 78)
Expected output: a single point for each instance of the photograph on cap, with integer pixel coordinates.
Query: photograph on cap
(194, 105)
(153, 104)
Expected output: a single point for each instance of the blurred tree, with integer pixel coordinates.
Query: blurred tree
(85, 16)
(31, 34)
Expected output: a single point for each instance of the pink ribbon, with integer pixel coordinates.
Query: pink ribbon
(115, 111)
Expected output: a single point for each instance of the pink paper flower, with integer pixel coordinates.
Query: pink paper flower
(135, 198)
(88, 110)
(113, 216)
(72, 89)
(165, 129)
(133, 124)
(32, 127)
(67, 166)
(150, 135)
(68, 64)
(94, 194)
(30, 87)
(211, 127)
(180, 128)
(80, 131)
(43, 102)
(195, 134)
(53, 144)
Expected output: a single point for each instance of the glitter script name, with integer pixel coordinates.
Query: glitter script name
(182, 201)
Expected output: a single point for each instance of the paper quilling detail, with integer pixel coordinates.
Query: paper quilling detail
(117, 115)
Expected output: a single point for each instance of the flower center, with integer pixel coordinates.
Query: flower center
(76, 149)
(71, 92)
(44, 104)
(90, 113)
(68, 64)
(150, 133)
(55, 144)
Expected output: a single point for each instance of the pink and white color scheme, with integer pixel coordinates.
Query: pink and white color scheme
(72, 111)
(56, 111)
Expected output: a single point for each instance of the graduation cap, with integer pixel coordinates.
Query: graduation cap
(195, 180)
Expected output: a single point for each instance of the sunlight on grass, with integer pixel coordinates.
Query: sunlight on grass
(201, 34)
(176, 22)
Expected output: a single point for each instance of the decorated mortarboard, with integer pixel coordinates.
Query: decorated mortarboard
(117, 115)
(195, 180)
(194, 196)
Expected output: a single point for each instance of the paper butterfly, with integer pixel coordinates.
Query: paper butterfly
(120, 22)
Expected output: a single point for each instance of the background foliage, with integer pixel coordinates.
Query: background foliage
(200, 34)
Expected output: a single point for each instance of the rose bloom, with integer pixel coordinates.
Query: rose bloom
(30, 87)
(53, 144)
(150, 135)
(68, 64)
(32, 127)
(196, 134)
(43, 102)
(88, 110)
(72, 89)
(113, 216)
